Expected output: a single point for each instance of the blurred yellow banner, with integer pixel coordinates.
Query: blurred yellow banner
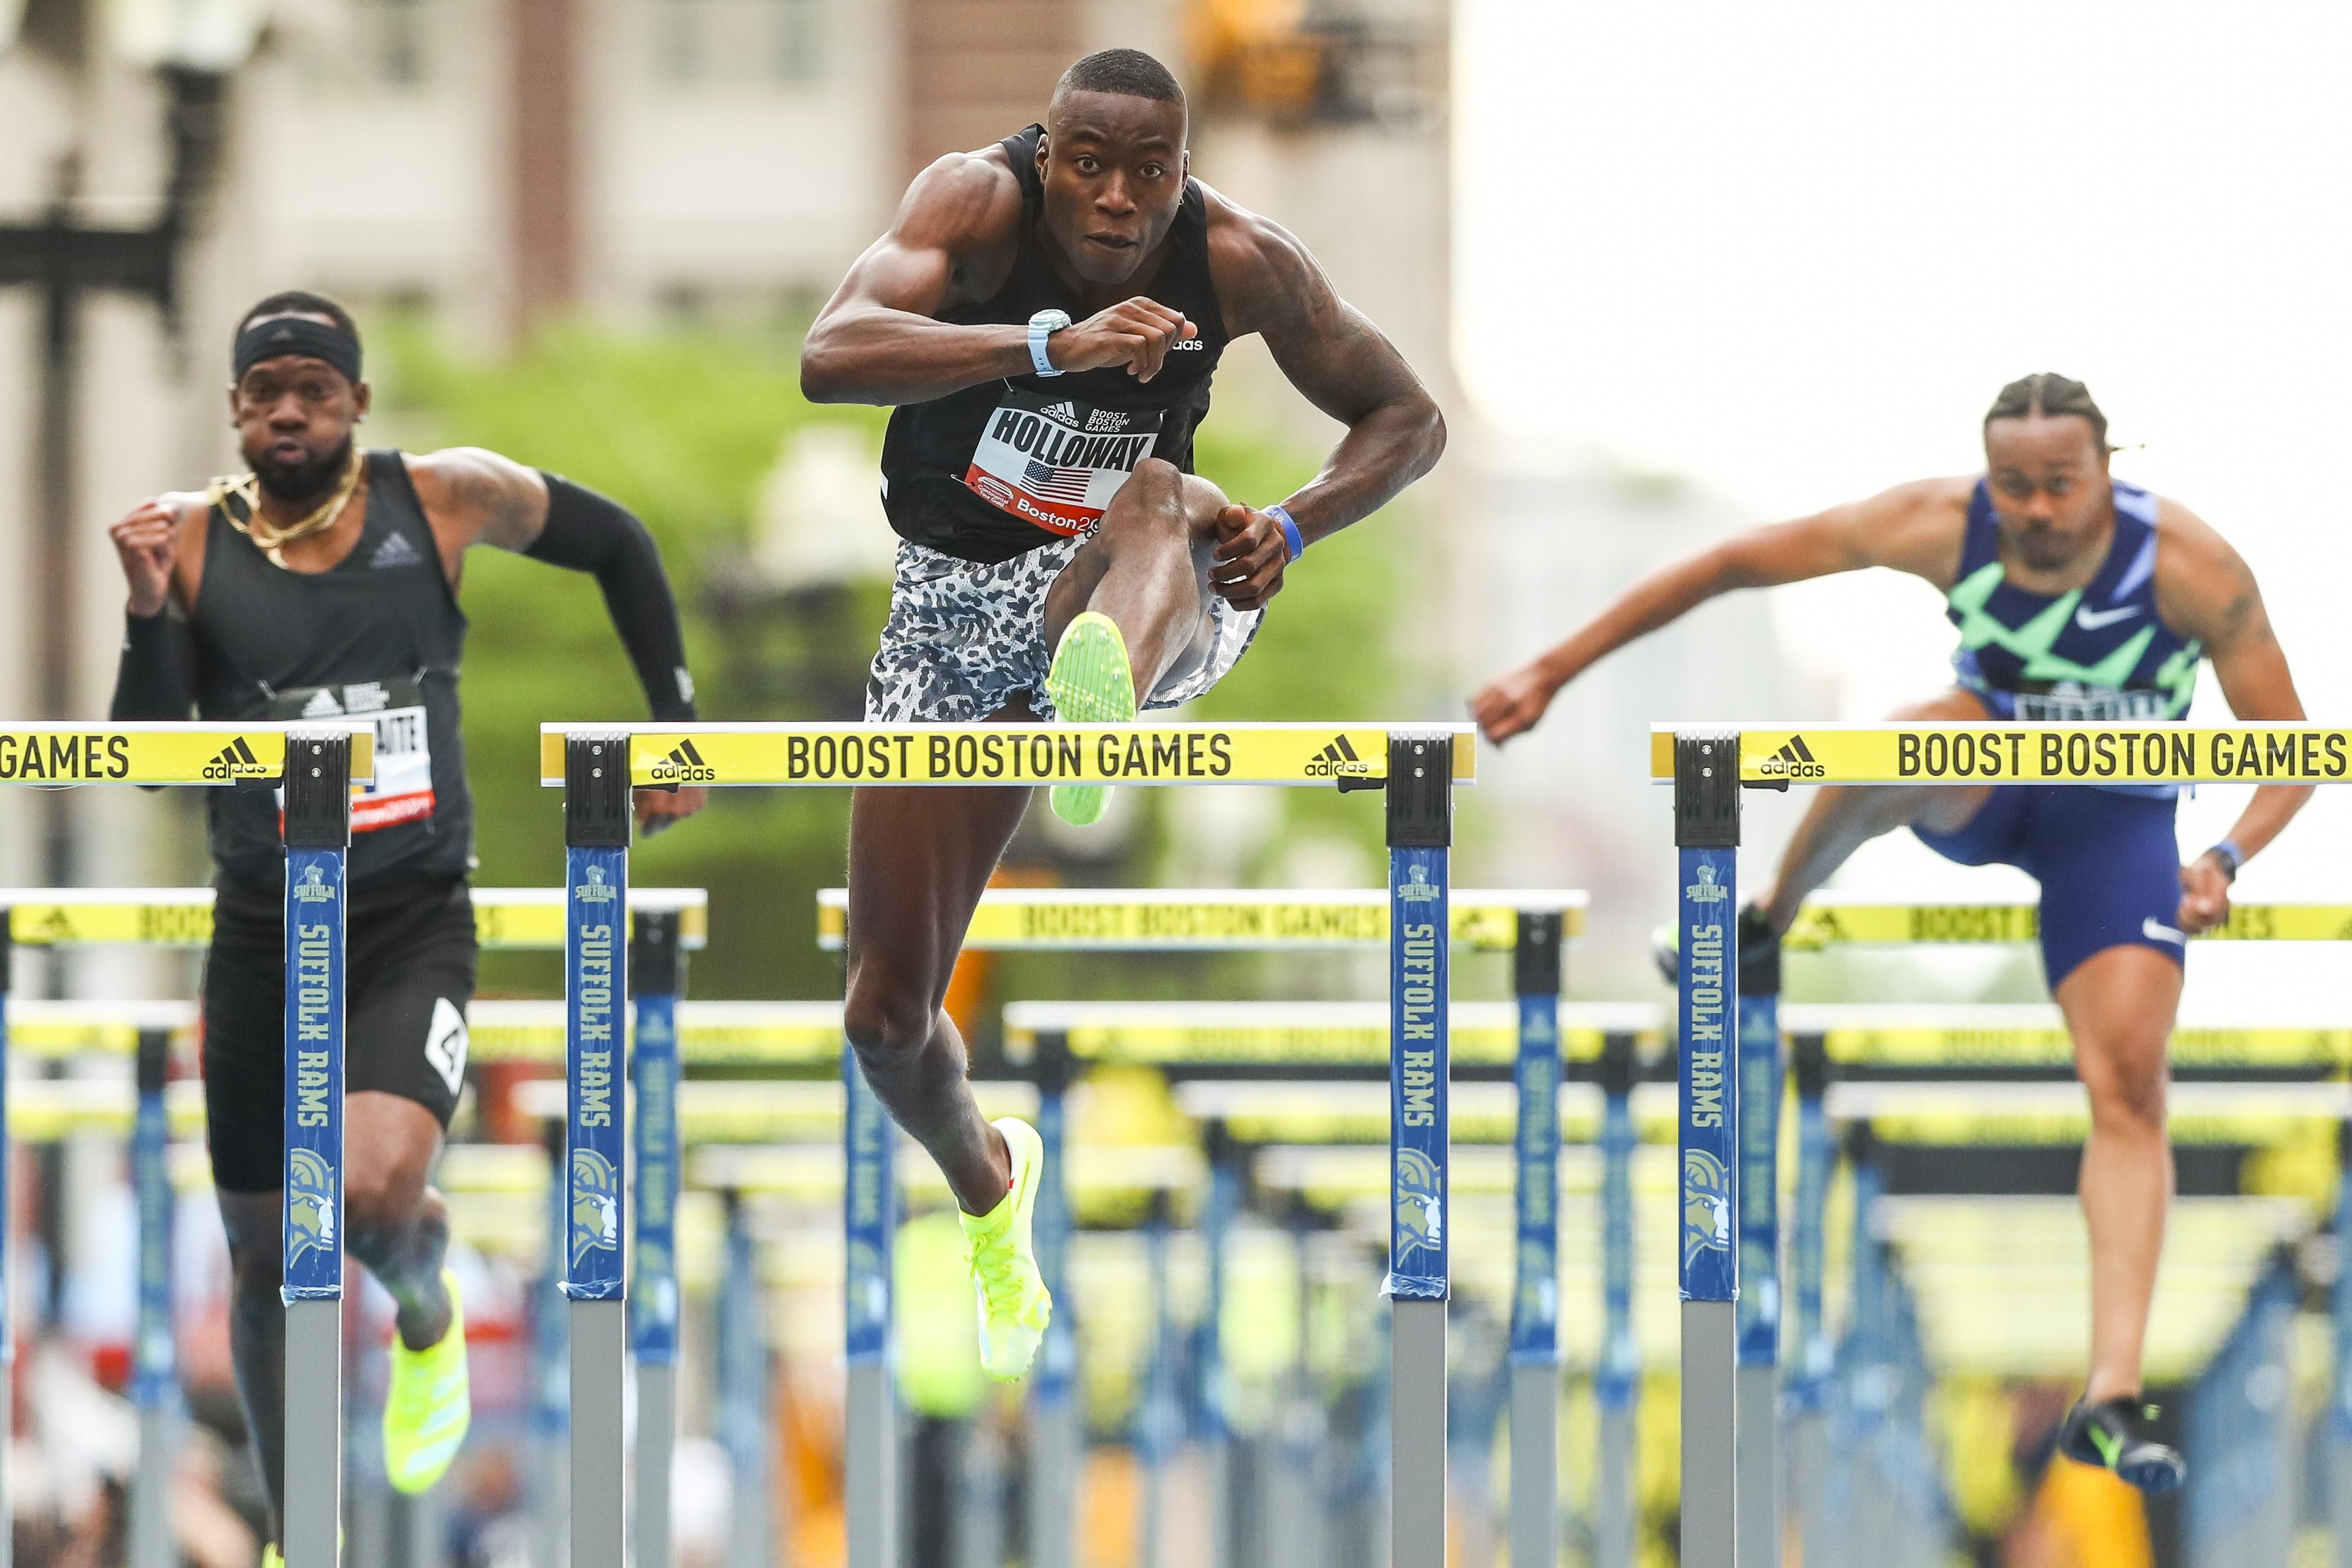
(1061, 919)
(56, 754)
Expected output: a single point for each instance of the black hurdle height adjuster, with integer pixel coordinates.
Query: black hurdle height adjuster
(1707, 789)
(657, 954)
(1052, 1065)
(1809, 1056)
(1535, 956)
(596, 790)
(1420, 790)
(318, 781)
(1619, 1068)
(154, 1061)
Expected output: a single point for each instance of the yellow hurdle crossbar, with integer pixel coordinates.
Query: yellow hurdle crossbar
(1981, 1036)
(1837, 919)
(1301, 1034)
(1060, 919)
(1992, 752)
(521, 919)
(727, 755)
(53, 754)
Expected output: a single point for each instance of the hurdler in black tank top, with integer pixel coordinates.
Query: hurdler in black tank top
(377, 636)
(996, 470)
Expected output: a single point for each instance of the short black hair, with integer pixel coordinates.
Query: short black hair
(292, 301)
(1130, 73)
(2049, 394)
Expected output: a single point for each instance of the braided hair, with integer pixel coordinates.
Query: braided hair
(2048, 395)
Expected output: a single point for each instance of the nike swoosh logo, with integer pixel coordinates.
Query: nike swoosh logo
(2155, 932)
(2091, 620)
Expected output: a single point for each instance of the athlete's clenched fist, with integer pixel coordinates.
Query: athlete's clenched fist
(1136, 333)
(146, 541)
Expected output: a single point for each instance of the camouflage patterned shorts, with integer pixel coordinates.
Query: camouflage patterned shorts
(964, 639)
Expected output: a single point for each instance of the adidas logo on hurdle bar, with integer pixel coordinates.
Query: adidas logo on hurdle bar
(236, 760)
(684, 765)
(1338, 760)
(1794, 761)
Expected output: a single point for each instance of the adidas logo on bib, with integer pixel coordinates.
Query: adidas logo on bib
(396, 551)
(1066, 411)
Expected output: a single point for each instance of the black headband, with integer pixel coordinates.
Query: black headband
(274, 335)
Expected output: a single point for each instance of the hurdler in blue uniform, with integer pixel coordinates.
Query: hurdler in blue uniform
(2078, 598)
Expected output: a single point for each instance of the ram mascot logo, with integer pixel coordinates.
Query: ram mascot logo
(1706, 1204)
(595, 1205)
(310, 1204)
(1420, 1203)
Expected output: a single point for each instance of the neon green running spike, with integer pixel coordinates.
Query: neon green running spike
(429, 1404)
(1014, 1306)
(1090, 683)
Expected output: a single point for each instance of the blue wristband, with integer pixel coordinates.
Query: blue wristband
(2231, 856)
(1290, 534)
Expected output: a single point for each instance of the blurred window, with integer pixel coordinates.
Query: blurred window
(753, 43)
(394, 40)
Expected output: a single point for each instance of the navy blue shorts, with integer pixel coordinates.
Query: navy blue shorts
(2109, 866)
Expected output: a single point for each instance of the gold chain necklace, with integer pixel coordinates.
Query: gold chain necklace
(271, 539)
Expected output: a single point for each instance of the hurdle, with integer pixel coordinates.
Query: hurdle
(1535, 1038)
(1209, 920)
(506, 920)
(1708, 766)
(315, 765)
(1418, 767)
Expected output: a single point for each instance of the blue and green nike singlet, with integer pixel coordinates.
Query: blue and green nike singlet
(2098, 653)
(2105, 854)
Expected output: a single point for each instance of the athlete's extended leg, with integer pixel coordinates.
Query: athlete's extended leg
(2119, 1005)
(1145, 567)
(918, 861)
(256, 1334)
(399, 1225)
(399, 1228)
(1841, 818)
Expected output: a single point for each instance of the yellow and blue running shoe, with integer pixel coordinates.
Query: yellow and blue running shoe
(1014, 1306)
(429, 1404)
(1089, 683)
(2111, 1436)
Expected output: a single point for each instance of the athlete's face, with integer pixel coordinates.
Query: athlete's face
(293, 417)
(1114, 170)
(2049, 487)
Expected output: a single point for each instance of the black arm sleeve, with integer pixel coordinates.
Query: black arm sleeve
(586, 532)
(155, 679)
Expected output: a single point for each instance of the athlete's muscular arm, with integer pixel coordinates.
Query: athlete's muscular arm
(472, 496)
(955, 237)
(1915, 529)
(2204, 589)
(1270, 285)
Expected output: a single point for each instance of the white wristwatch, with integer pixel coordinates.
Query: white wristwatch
(1041, 326)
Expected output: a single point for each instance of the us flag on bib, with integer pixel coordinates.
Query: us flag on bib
(1057, 461)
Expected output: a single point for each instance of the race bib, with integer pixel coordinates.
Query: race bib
(1057, 462)
(2070, 704)
(403, 790)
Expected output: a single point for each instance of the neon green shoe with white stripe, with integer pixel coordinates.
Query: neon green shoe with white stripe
(1090, 683)
(429, 1404)
(1014, 1306)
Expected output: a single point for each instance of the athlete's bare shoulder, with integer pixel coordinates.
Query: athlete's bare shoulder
(1919, 528)
(2203, 587)
(1265, 276)
(473, 496)
(966, 206)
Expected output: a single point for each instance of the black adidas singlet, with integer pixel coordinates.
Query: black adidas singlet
(995, 470)
(378, 636)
